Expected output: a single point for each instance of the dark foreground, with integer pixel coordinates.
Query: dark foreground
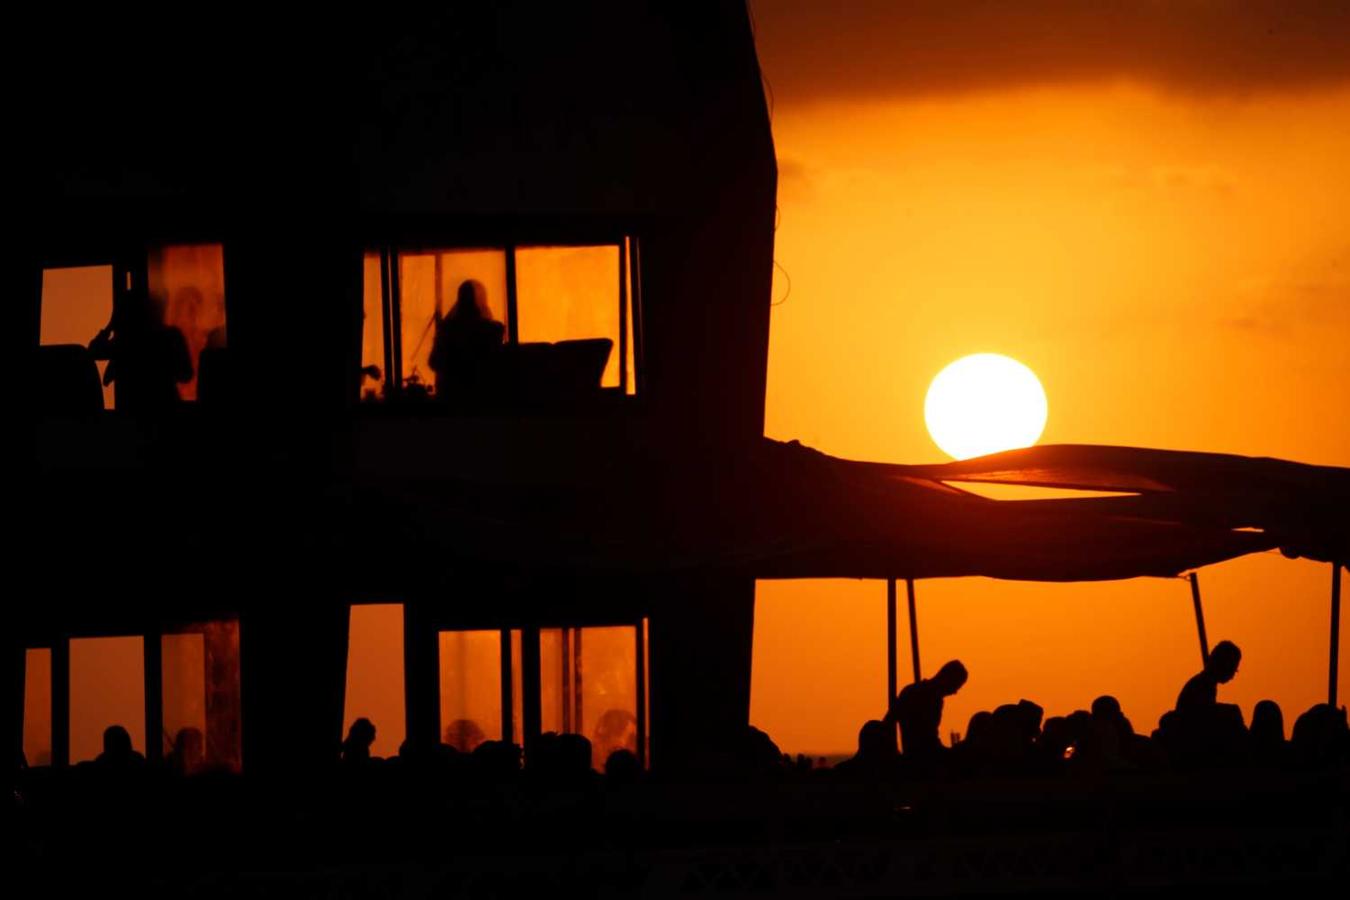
(366, 834)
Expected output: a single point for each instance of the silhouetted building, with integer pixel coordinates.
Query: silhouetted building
(298, 215)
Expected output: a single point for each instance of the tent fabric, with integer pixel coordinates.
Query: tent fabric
(786, 511)
(1305, 508)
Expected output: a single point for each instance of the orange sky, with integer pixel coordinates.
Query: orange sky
(1163, 242)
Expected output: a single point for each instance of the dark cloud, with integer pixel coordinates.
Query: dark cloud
(817, 49)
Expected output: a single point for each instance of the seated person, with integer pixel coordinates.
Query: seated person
(918, 711)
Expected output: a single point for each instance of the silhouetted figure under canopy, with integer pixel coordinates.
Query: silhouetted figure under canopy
(1201, 730)
(918, 710)
(468, 342)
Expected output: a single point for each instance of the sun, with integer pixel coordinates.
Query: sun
(985, 403)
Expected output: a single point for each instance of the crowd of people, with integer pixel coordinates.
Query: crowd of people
(1017, 739)
(1013, 740)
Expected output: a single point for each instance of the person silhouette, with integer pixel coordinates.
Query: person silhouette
(117, 750)
(1267, 744)
(147, 359)
(1201, 731)
(360, 737)
(464, 735)
(917, 709)
(877, 754)
(189, 751)
(1201, 693)
(465, 345)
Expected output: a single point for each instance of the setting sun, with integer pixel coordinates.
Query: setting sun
(984, 403)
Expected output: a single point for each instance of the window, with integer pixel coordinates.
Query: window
(107, 687)
(562, 316)
(201, 697)
(589, 682)
(375, 674)
(180, 287)
(37, 706)
(473, 689)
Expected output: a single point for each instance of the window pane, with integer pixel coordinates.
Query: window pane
(429, 281)
(375, 674)
(517, 692)
(471, 688)
(569, 293)
(607, 674)
(107, 687)
(76, 306)
(372, 330)
(188, 281)
(37, 707)
(555, 691)
(200, 671)
(184, 674)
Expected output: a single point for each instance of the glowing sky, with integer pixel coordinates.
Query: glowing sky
(1151, 209)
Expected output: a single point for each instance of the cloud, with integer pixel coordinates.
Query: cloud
(816, 50)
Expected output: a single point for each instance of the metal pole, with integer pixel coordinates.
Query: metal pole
(913, 628)
(1199, 618)
(1335, 633)
(891, 650)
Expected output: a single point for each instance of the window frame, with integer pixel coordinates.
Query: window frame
(631, 382)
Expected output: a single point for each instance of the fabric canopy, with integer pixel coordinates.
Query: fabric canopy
(786, 511)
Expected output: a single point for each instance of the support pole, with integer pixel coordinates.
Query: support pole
(1199, 618)
(891, 650)
(1334, 666)
(154, 695)
(913, 628)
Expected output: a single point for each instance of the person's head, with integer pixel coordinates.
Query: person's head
(951, 677)
(1267, 722)
(464, 735)
(1105, 707)
(621, 767)
(361, 735)
(876, 740)
(189, 749)
(471, 301)
(116, 741)
(1223, 661)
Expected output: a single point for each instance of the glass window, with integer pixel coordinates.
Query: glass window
(107, 687)
(531, 298)
(375, 674)
(187, 282)
(77, 304)
(589, 686)
(372, 329)
(471, 688)
(37, 707)
(201, 697)
(567, 294)
(429, 285)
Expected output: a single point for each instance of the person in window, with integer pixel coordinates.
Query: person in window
(466, 345)
(146, 358)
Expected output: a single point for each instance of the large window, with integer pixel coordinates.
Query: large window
(496, 325)
(153, 321)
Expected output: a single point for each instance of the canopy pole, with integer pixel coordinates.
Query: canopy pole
(913, 628)
(1199, 618)
(891, 650)
(1335, 633)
